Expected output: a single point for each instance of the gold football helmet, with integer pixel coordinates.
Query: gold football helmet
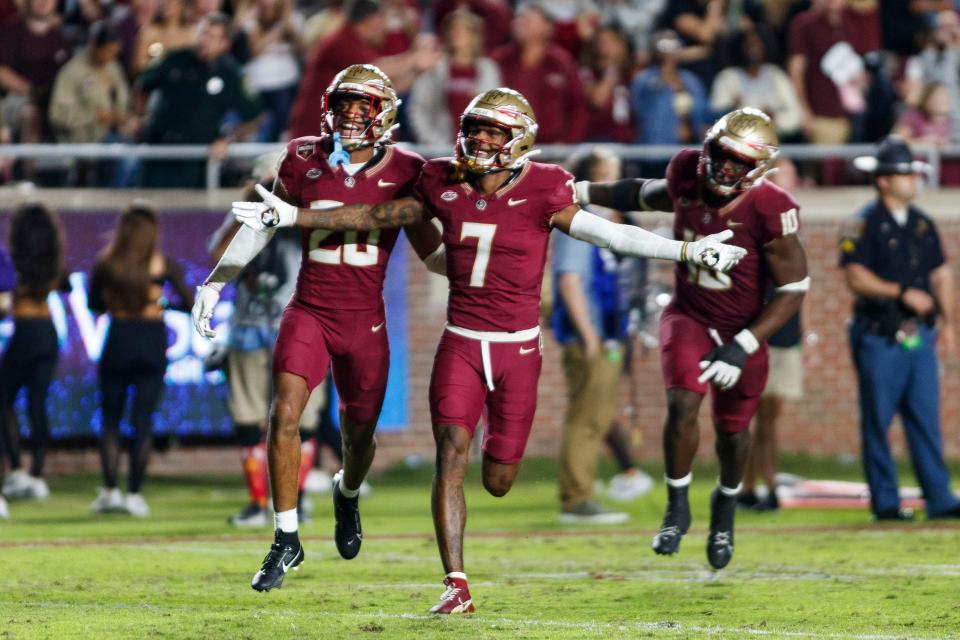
(738, 150)
(377, 125)
(508, 110)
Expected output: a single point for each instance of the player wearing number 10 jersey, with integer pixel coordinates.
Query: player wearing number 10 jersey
(716, 328)
(496, 210)
(336, 316)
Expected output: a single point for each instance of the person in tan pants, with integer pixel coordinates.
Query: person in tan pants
(587, 321)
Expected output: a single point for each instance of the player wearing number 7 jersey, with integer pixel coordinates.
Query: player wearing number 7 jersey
(336, 316)
(716, 328)
(496, 209)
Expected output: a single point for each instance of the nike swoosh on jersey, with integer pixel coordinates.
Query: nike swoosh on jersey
(514, 203)
(377, 327)
(381, 183)
(524, 352)
(732, 224)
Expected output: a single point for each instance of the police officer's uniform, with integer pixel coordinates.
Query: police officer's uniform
(894, 350)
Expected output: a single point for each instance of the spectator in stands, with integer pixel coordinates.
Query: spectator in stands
(36, 247)
(170, 30)
(669, 103)
(939, 63)
(356, 42)
(32, 50)
(91, 102)
(324, 22)
(496, 16)
(929, 122)
(139, 14)
(832, 37)
(753, 81)
(588, 322)
(91, 99)
(441, 94)
(196, 88)
(128, 281)
(402, 24)
(574, 23)
(704, 26)
(273, 31)
(903, 23)
(546, 74)
(6, 163)
(606, 82)
(637, 18)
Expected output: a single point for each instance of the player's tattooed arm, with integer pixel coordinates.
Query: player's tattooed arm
(787, 262)
(363, 217)
(632, 194)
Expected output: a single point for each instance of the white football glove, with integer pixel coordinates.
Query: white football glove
(260, 216)
(208, 295)
(725, 363)
(710, 252)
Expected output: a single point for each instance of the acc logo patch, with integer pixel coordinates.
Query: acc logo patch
(448, 196)
(314, 173)
(306, 149)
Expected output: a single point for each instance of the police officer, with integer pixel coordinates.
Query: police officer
(197, 88)
(894, 264)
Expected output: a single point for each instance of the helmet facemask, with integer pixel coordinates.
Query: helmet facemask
(739, 150)
(479, 155)
(374, 123)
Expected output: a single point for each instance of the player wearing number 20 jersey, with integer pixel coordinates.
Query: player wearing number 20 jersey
(337, 310)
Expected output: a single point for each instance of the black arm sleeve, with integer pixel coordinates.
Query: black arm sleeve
(632, 194)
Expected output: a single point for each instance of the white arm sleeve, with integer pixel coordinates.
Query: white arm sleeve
(623, 239)
(244, 247)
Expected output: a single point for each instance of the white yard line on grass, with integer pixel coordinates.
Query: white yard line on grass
(597, 627)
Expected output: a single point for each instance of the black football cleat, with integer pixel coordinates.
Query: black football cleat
(285, 553)
(720, 539)
(347, 533)
(905, 514)
(675, 524)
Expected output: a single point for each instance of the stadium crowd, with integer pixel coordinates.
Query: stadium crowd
(632, 71)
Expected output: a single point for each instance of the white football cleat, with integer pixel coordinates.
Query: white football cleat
(318, 481)
(17, 485)
(108, 501)
(4, 509)
(38, 489)
(629, 486)
(135, 505)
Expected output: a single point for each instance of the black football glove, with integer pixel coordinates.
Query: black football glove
(723, 365)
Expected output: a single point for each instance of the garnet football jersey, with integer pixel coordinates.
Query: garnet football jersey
(344, 270)
(726, 301)
(496, 244)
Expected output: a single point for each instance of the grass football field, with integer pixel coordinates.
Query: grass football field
(183, 573)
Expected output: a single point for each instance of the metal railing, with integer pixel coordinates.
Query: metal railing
(549, 153)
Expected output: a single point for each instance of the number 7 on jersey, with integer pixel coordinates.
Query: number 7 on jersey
(484, 234)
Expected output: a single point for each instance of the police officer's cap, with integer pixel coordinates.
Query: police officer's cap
(893, 157)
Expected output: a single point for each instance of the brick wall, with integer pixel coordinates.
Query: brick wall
(825, 422)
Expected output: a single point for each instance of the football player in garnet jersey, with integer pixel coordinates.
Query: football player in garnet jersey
(496, 209)
(716, 328)
(336, 316)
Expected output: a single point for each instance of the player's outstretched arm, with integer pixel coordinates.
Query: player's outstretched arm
(709, 252)
(274, 211)
(244, 247)
(787, 262)
(631, 194)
